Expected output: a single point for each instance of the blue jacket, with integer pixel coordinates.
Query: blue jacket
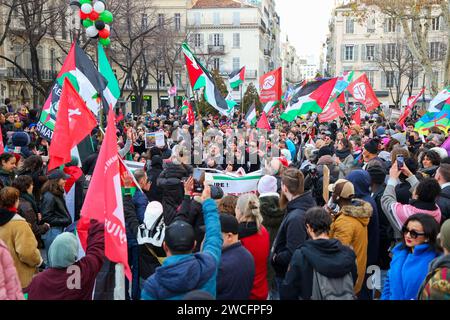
(408, 271)
(180, 274)
(232, 285)
(361, 182)
(291, 146)
(140, 202)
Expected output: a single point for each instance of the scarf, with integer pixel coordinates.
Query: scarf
(343, 154)
(247, 229)
(31, 200)
(6, 215)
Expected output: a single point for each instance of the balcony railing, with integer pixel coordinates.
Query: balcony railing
(15, 73)
(216, 49)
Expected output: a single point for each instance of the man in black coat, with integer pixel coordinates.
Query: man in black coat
(443, 201)
(326, 256)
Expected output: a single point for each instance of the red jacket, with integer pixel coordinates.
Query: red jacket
(258, 243)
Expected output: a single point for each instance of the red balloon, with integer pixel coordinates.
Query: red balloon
(83, 16)
(94, 15)
(104, 33)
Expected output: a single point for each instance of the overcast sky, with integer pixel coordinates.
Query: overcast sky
(306, 23)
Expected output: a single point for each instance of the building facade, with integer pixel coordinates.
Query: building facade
(377, 46)
(291, 64)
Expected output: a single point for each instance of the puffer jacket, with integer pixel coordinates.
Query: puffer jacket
(172, 188)
(6, 178)
(436, 285)
(10, 288)
(54, 210)
(350, 227)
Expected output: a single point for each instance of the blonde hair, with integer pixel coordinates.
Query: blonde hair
(248, 205)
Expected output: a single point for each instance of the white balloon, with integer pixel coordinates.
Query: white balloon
(91, 32)
(107, 27)
(86, 8)
(99, 6)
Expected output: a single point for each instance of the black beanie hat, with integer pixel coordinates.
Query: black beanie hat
(372, 146)
(180, 236)
(377, 174)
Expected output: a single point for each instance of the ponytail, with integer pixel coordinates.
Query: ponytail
(248, 205)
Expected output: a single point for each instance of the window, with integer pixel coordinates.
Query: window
(236, 18)
(161, 20)
(391, 49)
(236, 63)
(349, 53)
(63, 26)
(416, 80)
(178, 83)
(370, 52)
(435, 50)
(144, 21)
(436, 23)
(350, 26)
(197, 40)
(162, 78)
(436, 76)
(216, 18)
(370, 77)
(216, 63)
(216, 39)
(197, 19)
(52, 60)
(390, 79)
(177, 22)
(236, 40)
(390, 25)
(371, 25)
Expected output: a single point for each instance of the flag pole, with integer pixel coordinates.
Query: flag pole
(242, 100)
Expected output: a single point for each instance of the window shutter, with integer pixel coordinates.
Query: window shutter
(355, 52)
(364, 52)
(377, 52)
(202, 40)
(211, 40)
(383, 79)
(386, 25)
(221, 39)
(442, 50)
(343, 52)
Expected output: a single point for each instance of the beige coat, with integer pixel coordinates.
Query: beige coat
(22, 245)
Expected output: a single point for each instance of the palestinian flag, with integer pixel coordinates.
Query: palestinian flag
(268, 108)
(236, 78)
(250, 117)
(85, 78)
(311, 97)
(185, 106)
(112, 92)
(200, 77)
(128, 183)
(441, 101)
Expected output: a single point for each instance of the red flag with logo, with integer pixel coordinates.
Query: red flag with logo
(357, 117)
(190, 114)
(74, 121)
(263, 123)
(103, 201)
(410, 104)
(270, 86)
(333, 110)
(363, 92)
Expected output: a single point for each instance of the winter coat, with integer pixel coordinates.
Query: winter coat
(172, 188)
(232, 285)
(21, 243)
(183, 273)
(54, 210)
(436, 285)
(52, 283)
(191, 212)
(326, 256)
(350, 227)
(27, 209)
(155, 193)
(258, 244)
(361, 182)
(408, 270)
(345, 165)
(291, 234)
(89, 164)
(398, 213)
(10, 287)
(6, 178)
(39, 179)
(269, 206)
(443, 202)
(140, 203)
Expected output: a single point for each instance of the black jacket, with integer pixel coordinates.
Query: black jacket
(232, 285)
(327, 256)
(155, 193)
(172, 188)
(88, 164)
(443, 201)
(191, 212)
(54, 210)
(292, 233)
(6, 178)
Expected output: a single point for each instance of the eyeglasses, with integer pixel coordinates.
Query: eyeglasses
(413, 233)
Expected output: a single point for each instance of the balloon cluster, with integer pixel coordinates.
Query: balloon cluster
(96, 19)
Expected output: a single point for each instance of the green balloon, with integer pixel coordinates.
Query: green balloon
(85, 1)
(106, 16)
(105, 42)
(88, 23)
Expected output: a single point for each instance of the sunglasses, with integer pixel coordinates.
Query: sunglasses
(413, 233)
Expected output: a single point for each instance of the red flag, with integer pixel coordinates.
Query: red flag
(190, 114)
(333, 110)
(119, 117)
(2, 146)
(363, 92)
(270, 86)
(103, 201)
(410, 104)
(357, 117)
(263, 123)
(74, 123)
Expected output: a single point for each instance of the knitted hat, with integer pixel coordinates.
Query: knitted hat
(371, 146)
(377, 174)
(441, 151)
(381, 131)
(229, 224)
(267, 184)
(63, 251)
(343, 188)
(180, 236)
(444, 235)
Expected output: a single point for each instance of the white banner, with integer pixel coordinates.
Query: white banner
(233, 184)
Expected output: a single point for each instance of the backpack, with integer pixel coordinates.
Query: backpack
(152, 231)
(325, 288)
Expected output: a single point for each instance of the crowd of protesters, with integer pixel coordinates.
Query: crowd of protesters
(342, 211)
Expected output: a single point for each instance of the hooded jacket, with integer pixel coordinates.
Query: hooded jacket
(291, 234)
(436, 285)
(10, 288)
(408, 270)
(327, 256)
(350, 227)
(361, 181)
(183, 273)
